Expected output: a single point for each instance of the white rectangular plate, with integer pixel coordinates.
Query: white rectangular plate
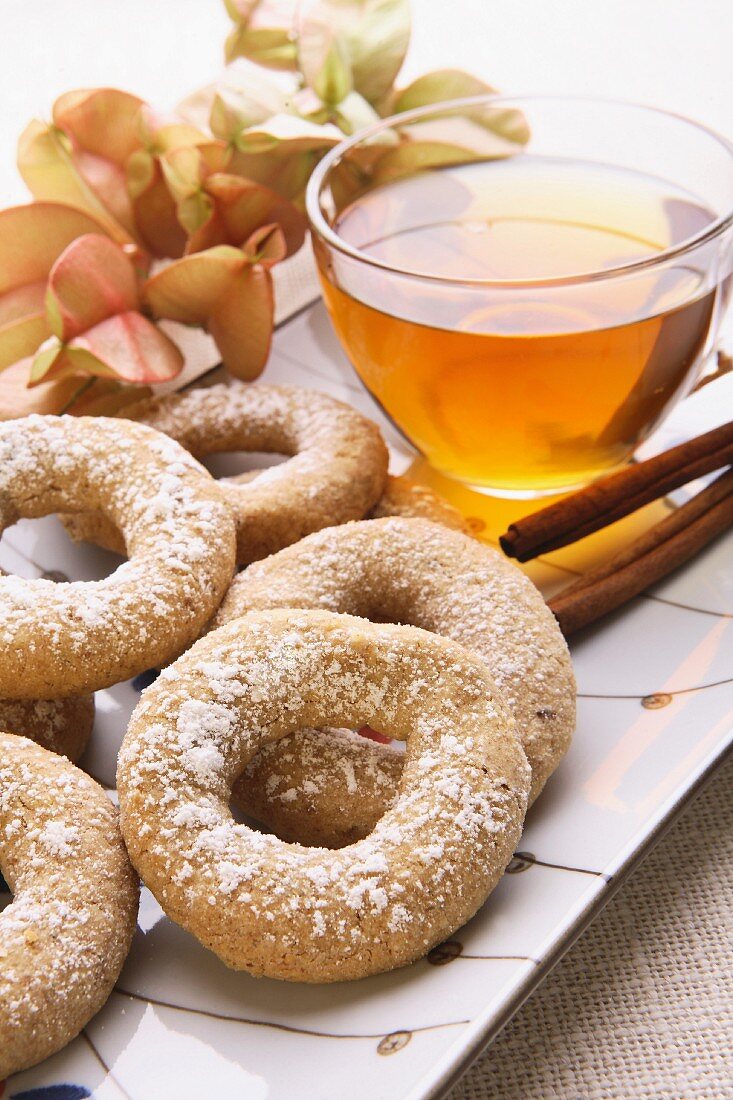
(655, 717)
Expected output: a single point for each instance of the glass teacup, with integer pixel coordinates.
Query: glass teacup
(526, 285)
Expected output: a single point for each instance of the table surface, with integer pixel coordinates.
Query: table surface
(642, 1007)
(615, 1019)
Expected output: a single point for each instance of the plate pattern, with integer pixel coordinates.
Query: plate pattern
(655, 717)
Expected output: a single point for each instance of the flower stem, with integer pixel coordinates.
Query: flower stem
(83, 388)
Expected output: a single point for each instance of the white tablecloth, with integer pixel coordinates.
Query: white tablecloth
(641, 1008)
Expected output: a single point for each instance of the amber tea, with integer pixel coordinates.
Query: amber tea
(500, 354)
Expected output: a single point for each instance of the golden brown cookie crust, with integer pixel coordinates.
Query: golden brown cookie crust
(67, 639)
(67, 932)
(409, 571)
(410, 500)
(59, 725)
(336, 472)
(307, 914)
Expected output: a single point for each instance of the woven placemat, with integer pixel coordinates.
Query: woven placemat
(642, 1006)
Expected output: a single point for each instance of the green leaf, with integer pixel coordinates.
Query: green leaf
(183, 171)
(285, 169)
(33, 236)
(437, 86)
(242, 322)
(354, 113)
(48, 398)
(187, 167)
(252, 101)
(100, 128)
(188, 290)
(262, 33)
(102, 121)
(22, 302)
(243, 206)
(47, 165)
(240, 10)
(286, 133)
(268, 46)
(479, 133)
(266, 246)
(140, 172)
(377, 46)
(195, 212)
(507, 123)
(331, 78)
(155, 211)
(371, 38)
(47, 357)
(91, 280)
(22, 336)
(128, 346)
(418, 156)
(31, 239)
(235, 43)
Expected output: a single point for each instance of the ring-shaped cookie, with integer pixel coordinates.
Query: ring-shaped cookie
(401, 497)
(306, 914)
(407, 571)
(410, 500)
(336, 472)
(63, 726)
(60, 725)
(59, 639)
(68, 929)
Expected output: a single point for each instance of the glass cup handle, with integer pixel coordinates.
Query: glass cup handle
(723, 365)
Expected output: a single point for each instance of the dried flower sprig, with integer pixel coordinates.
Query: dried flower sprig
(116, 189)
(333, 67)
(140, 218)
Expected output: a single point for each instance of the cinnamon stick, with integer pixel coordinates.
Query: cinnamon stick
(647, 559)
(613, 497)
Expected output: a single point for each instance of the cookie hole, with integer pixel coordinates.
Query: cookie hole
(375, 735)
(43, 548)
(294, 806)
(242, 818)
(232, 463)
(6, 895)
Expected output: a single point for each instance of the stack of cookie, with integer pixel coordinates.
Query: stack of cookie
(375, 855)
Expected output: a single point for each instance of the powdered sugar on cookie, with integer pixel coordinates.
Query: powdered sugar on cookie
(381, 902)
(67, 931)
(335, 472)
(410, 571)
(66, 638)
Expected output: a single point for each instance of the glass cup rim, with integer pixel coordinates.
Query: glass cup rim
(320, 226)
